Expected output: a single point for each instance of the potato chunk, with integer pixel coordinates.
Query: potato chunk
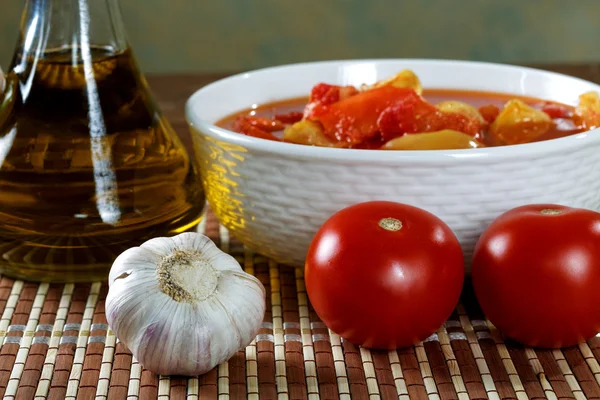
(519, 123)
(309, 133)
(446, 139)
(403, 79)
(588, 110)
(459, 107)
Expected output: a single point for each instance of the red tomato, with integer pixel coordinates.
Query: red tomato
(384, 275)
(536, 274)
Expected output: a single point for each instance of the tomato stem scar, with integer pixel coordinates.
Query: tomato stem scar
(390, 224)
(550, 211)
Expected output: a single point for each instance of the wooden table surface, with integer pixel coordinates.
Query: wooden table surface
(172, 91)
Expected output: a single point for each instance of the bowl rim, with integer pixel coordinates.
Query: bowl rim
(563, 144)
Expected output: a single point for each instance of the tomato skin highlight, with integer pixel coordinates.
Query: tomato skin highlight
(382, 288)
(536, 275)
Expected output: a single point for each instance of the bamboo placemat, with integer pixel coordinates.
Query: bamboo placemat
(55, 344)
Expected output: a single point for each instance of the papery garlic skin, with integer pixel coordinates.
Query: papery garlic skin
(181, 305)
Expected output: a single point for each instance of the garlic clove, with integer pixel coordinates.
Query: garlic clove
(242, 300)
(227, 335)
(161, 246)
(193, 241)
(166, 346)
(223, 261)
(137, 259)
(128, 312)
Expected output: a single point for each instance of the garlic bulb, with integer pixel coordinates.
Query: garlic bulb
(181, 305)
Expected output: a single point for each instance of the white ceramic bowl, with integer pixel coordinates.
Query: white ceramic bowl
(274, 196)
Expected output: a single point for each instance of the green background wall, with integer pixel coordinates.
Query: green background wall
(230, 35)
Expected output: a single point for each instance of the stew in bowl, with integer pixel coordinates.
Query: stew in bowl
(398, 114)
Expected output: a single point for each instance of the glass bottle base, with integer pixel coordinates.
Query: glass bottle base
(71, 259)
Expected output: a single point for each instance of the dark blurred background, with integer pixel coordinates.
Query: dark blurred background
(233, 35)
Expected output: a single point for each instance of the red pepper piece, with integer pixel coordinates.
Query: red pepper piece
(324, 94)
(489, 112)
(412, 114)
(355, 119)
(396, 121)
(243, 125)
(328, 94)
(557, 110)
(289, 118)
(419, 117)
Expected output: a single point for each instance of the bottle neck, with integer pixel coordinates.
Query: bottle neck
(72, 28)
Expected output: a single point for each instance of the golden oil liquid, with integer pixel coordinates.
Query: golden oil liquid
(88, 167)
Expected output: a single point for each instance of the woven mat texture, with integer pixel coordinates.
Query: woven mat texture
(56, 345)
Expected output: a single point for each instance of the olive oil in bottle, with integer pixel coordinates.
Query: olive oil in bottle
(88, 165)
